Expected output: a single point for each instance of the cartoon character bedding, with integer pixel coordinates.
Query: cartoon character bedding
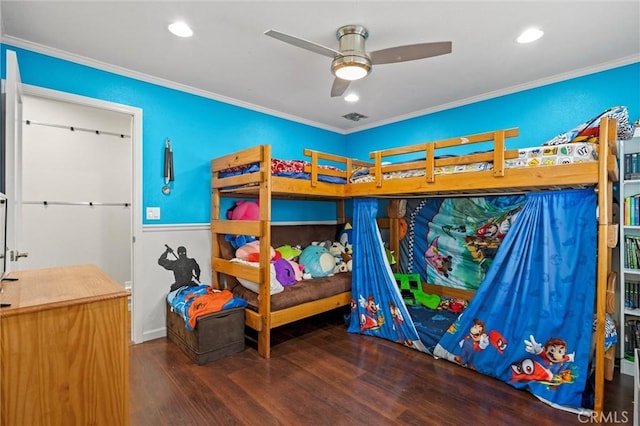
(530, 321)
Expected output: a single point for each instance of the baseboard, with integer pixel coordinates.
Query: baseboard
(154, 334)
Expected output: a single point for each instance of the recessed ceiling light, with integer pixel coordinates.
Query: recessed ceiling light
(530, 35)
(352, 97)
(180, 29)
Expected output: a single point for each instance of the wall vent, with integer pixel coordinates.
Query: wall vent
(354, 116)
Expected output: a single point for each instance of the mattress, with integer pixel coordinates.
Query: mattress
(527, 157)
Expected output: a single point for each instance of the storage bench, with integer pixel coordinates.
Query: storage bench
(215, 335)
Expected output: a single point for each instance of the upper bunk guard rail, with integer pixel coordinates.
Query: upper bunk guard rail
(428, 149)
(241, 158)
(345, 164)
(245, 157)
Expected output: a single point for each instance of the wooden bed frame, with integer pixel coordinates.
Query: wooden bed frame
(597, 174)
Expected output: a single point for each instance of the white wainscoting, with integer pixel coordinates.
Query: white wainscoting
(154, 282)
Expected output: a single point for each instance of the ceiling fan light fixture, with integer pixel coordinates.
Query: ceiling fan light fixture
(351, 68)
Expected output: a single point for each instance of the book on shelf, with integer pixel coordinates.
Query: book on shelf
(632, 251)
(632, 210)
(631, 294)
(631, 336)
(632, 166)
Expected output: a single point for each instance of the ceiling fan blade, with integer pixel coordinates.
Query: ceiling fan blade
(339, 87)
(410, 52)
(302, 43)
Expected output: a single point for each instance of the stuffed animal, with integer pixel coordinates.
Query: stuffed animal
(285, 274)
(347, 262)
(244, 210)
(251, 252)
(238, 241)
(289, 252)
(337, 250)
(326, 244)
(317, 261)
(345, 238)
(298, 270)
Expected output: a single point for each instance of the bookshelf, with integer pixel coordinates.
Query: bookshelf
(629, 285)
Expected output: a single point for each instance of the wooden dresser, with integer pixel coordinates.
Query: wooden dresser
(64, 356)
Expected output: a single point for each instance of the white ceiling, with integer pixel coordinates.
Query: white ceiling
(230, 59)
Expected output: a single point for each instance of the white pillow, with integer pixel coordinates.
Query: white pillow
(276, 287)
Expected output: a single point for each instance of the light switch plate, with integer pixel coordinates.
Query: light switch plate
(153, 213)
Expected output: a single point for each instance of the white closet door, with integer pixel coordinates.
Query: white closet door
(77, 186)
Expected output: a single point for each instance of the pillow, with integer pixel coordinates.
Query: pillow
(452, 304)
(589, 131)
(360, 171)
(276, 287)
(251, 251)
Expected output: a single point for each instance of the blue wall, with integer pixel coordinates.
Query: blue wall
(201, 128)
(539, 113)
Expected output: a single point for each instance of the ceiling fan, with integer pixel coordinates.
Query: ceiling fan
(352, 62)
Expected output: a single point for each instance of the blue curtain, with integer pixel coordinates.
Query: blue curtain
(530, 322)
(377, 307)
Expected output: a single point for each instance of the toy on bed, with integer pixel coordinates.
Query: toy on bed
(317, 261)
(251, 252)
(286, 270)
(242, 210)
(291, 254)
(346, 239)
(411, 290)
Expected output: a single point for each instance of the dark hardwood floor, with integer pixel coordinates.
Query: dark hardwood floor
(319, 374)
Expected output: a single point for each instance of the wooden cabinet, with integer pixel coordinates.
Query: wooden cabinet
(64, 348)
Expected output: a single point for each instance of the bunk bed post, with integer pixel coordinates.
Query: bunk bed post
(498, 153)
(215, 247)
(341, 217)
(393, 211)
(605, 215)
(264, 300)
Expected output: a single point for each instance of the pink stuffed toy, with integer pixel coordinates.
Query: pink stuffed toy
(244, 210)
(297, 269)
(251, 252)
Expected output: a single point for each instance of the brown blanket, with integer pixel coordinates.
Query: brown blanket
(302, 291)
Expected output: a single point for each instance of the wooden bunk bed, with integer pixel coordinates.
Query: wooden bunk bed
(264, 186)
(599, 174)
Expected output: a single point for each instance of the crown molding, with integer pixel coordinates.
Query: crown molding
(103, 66)
(60, 54)
(507, 91)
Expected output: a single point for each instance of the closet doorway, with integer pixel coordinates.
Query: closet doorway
(76, 187)
(80, 186)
